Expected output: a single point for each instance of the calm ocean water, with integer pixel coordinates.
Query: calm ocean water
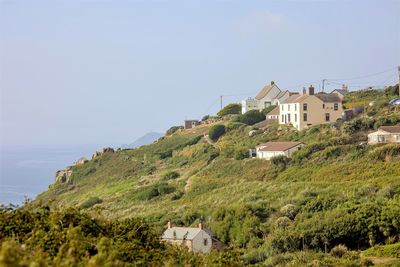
(28, 171)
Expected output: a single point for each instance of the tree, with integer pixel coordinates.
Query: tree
(251, 117)
(230, 109)
(216, 132)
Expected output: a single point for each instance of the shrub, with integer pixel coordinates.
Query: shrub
(283, 222)
(90, 202)
(280, 160)
(289, 211)
(216, 132)
(156, 190)
(171, 175)
(384, 152)
(241, 153)
(339, 251)
(173, 129)
(230, 109)
(233, 125)
(251, 117)
(331, 152)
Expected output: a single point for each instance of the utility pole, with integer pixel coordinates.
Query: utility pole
(398, 70)
(323, 85)
(221, 101)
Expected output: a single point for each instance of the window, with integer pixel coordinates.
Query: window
(336, 106)
(288, 107)
(295, 117)
(267, 104)
(327, 117)
(305, 106)
(205, 241)
(295, 107)
(323, 105)
(304, 116)
(288, 118)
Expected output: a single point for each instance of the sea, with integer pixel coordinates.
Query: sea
(26, 171)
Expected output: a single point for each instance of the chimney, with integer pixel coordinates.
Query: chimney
(169, 225)
(344, 87)
(310, 90)
(200, 225)
(304, 91)
(272, 83)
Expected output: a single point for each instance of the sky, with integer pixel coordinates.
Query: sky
(107, 72)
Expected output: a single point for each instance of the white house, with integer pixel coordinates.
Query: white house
(272, 149)
(273, 114)
(385, 134)
(269, 95)
(196, 239)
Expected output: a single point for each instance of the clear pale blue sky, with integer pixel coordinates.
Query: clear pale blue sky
(106, 72)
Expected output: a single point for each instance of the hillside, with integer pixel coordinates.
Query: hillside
(334, 191)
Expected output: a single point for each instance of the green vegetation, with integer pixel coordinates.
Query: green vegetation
(251, 117)
(216, 131)
(230, 109)
(332, 199)
(90, 202)
(392, 250)
(267, 110)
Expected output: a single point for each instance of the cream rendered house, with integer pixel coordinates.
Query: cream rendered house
(273, 149)
(384, 135)
(269, 95)
(308, 109)
(196, 239)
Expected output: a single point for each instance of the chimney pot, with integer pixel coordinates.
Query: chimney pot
(310, 90)
(272, 82)
(169, 225)
(200, 225)
(304, 91)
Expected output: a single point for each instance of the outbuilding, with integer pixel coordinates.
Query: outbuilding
(273, 149)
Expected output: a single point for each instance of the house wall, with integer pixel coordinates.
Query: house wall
(249, 104)
(276, 101)
(179, 242)
(316, 110)
(269, 154)
(199, 243)
(382, 137)
(269, 97)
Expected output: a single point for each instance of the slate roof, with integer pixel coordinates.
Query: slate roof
(390, 129)
(295, 99)
(340, 91)
(181, 233)
(328, 98)
(275, 111)
(278, 146)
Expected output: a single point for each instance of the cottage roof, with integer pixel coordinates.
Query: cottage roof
(328, 98)
(277, 146)
(295, 98)
(391, 129)
(265, 91)
(181, 233)
(340, 91)
(275, 111)
(281, 94)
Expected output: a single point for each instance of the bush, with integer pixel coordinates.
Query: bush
(280, 160)
(241, 153)
(216, 132)
(283, 222)
(233, 125)
(205, 117)
(251, 117)
(339, 251)
(171, 175)
(331, 152)
(230, 109)
(90, 202)
(156, 190)
(173, 129)
(384, 152)
(289, 211)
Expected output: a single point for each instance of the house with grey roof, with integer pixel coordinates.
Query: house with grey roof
(385, 135)
(269, 95)
(273, 149)
(196, 239)
(308, 109)
(341, 92)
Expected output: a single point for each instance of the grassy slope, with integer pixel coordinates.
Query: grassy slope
(253, 190)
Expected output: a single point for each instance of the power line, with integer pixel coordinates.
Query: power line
(364, 76)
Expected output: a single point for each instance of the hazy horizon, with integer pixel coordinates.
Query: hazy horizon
(107, 72)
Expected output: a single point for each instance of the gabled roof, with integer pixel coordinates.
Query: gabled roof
(265, 91)
(328, 98)
(295, 99)
(391, 129)
(278, 146)
(275, 111)
(181, 233)
(340, 91)
(281, 94)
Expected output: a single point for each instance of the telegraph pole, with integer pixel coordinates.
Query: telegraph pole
(398, 70)
(323, 85)
(221, 99)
